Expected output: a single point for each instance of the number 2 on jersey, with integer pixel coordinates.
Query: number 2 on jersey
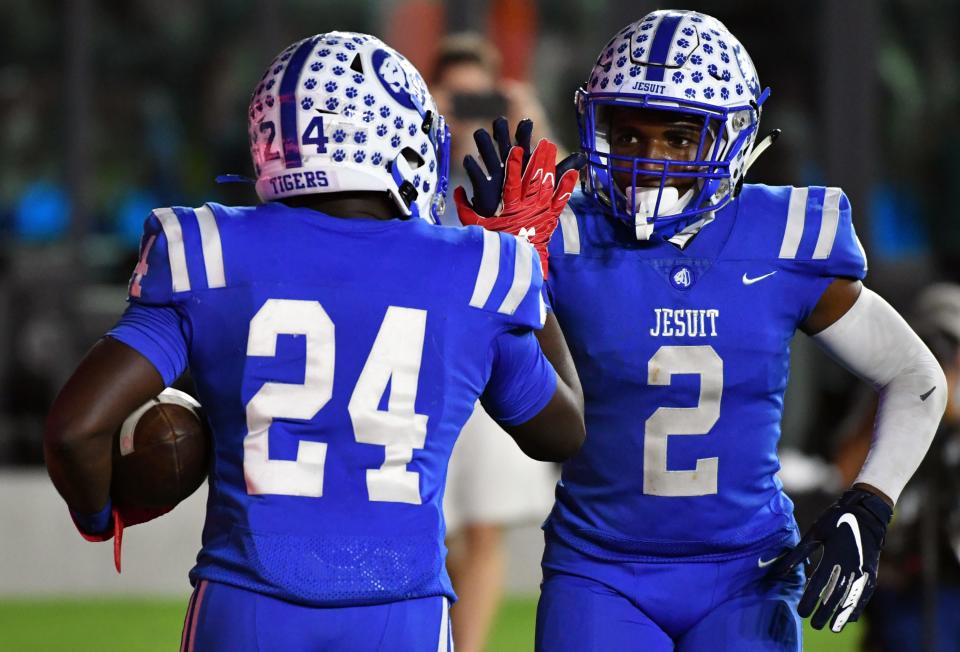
(394, 359)
(669, 421)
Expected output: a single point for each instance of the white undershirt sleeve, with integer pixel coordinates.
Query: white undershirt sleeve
(874, 342)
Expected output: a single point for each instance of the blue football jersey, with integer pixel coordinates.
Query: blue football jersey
(336, 360)
(683, 355)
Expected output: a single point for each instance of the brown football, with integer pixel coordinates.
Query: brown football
(161, 453)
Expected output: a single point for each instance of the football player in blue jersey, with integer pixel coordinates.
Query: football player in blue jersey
(678, 288)
(339, 341)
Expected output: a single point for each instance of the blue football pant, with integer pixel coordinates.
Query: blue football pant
(224, 618)
(588, 604)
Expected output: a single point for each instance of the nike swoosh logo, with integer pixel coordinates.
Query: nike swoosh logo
(762, 563)
(750, 281)
(924, 397)
(851, 520)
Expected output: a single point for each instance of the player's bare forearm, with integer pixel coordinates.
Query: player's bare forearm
(558, 431)
(555, 348)
(876, 492)
(111, 382)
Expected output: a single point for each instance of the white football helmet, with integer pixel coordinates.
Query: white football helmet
(345, 112)
(680, 61)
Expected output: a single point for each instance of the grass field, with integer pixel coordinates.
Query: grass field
(130, 625)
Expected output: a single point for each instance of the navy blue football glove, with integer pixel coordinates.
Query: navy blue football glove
(488, 186)
(851, 533)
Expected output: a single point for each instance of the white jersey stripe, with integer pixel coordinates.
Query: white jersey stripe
(570, 230)
(828, 224)
(489, 269)
(443, 639)
(522, 275)
(795, 219)
(212, 249)
(175, 251)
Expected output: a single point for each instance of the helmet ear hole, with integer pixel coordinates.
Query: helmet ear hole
(413, 159)
(357, 64)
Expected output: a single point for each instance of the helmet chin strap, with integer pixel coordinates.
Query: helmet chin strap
(645, 205)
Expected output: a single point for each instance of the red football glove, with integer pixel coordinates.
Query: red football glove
(122, 517)
(532, 199)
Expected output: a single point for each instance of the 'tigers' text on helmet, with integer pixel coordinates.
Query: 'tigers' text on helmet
(682, 322)
(299, 181)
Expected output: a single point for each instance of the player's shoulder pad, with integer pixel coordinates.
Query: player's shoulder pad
(507, 280)
(809, 229)
(180, 252)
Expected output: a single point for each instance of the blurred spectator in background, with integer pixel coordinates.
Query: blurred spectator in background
(491, 485)
(470, 94)
(917, 600)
